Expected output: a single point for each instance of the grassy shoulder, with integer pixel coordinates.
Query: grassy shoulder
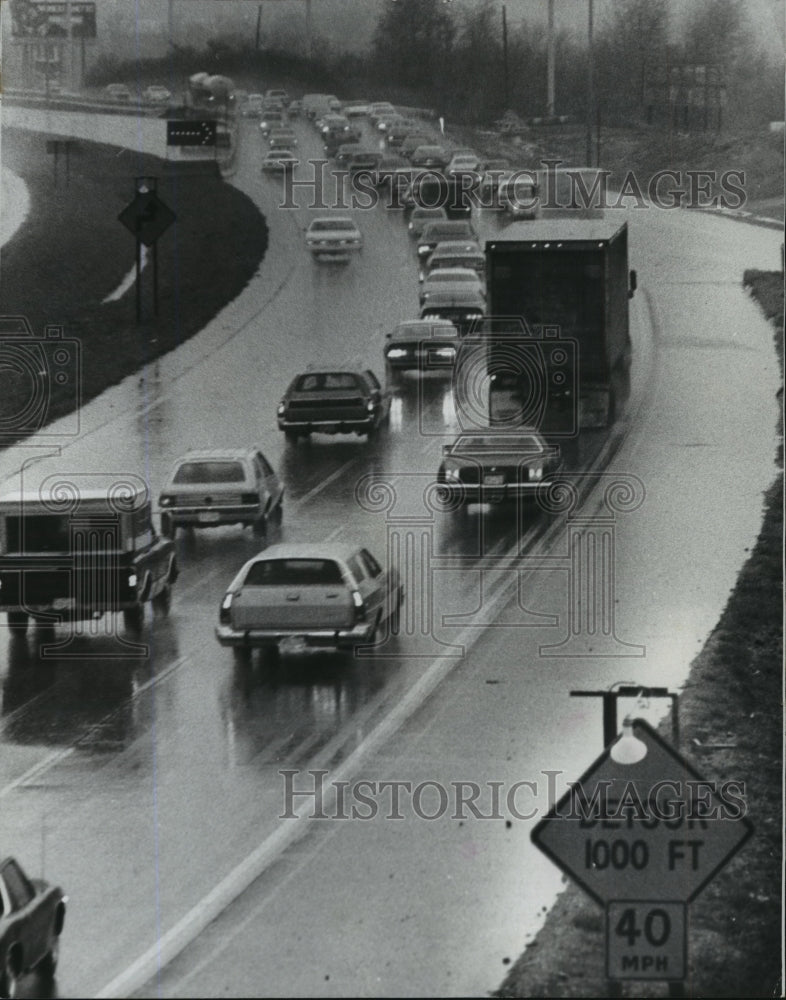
(733, 696)
(72, 252)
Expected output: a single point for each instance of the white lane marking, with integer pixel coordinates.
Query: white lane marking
(54, 758)
(307, 497)
(37, 769)
(128, 281)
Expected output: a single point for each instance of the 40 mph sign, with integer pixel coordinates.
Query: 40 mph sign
(652, 830)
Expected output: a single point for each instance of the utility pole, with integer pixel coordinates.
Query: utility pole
(550, 63)
(506, 77)
(309, 31)
(590, 86)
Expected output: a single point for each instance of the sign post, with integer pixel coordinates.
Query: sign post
(147, 218)
(643, 833)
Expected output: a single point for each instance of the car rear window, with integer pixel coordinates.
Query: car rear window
(210, 472)
(332, 224)
(293, 573)
(318, 381)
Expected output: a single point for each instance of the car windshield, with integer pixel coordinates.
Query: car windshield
(497, 442)
(323, 225)
(210, 472)
(293, 573)
(318, 381)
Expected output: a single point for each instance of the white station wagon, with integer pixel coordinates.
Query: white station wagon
(328, 595)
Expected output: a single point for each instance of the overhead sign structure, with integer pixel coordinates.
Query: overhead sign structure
(190, 133)
(652, 830)
(36, 19)
(147, 217)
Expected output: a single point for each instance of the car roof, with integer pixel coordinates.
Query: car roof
(309, 550)
(465, 272)
(438, 226)
(498, 439)
(59, 493)
(332, 219)
(451, 248)
(332, 370)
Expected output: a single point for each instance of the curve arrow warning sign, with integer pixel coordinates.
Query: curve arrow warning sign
(651, 830)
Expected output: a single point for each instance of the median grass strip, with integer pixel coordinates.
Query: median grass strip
(72, 252)
(733, 697)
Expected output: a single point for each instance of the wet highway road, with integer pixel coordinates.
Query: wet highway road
(139, 783)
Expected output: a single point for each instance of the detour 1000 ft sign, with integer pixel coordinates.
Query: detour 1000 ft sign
(652, 830)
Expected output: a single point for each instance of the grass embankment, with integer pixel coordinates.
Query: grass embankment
(733, 696)
(72, 252)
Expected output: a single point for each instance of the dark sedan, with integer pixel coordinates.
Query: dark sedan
(495, 467)
(422, 345)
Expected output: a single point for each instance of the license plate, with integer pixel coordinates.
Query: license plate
(209, 517)
(493, 480)
(293, 644)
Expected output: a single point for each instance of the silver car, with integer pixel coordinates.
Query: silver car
(206, 489)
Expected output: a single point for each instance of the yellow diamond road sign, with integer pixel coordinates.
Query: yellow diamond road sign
(651, 830)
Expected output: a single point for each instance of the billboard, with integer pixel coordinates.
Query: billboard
(36, 19)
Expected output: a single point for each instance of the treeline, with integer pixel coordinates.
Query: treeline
(456, 58)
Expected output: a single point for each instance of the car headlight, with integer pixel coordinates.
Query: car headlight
(370, 406)
(281, 409)
(536, 472)
(445, 352)
(132, 579)
(396, 352)
(474, 315)
(164, 500)
(452, 475)
(424, 248)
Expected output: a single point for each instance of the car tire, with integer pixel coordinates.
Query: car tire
(134, 617)
(17, 622)
(241, 655)
(271, 655)
(163, 601)
(9, 981)
(259, 526)
(168, 529)
(291, 436)
(48, 964)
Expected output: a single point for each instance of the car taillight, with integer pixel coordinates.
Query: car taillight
(224, 614)
(249, 498)
(360, 606)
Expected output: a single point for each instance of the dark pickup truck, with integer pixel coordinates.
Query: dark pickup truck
(333, 401)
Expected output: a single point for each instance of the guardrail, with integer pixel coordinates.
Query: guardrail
(73, 102)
